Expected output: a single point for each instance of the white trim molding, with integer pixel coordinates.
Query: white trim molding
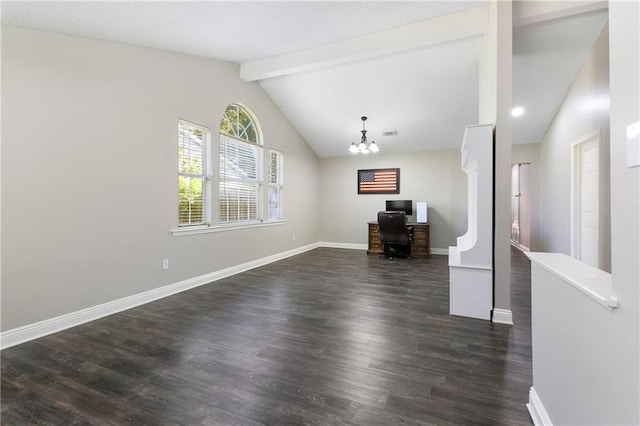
(590, 281)
(440, 251)
(502, 316)
(351, 246)
(538, 414)
(206, 229)
(415, 35)
(43, 328)
(33, 331)
(520, 247)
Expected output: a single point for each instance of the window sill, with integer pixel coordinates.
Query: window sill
(196, 230)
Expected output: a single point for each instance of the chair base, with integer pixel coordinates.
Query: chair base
(391, 251)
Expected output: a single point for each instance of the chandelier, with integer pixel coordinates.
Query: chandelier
(365, 146)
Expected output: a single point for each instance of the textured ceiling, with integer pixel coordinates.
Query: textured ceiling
(426, 92)
(234, 31)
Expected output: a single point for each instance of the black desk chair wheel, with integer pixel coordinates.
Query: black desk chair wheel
(395, 235)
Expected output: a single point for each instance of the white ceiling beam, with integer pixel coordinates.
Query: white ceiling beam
(532, 12)
(417, 35)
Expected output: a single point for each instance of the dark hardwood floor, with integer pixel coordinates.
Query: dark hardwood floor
(327, 337)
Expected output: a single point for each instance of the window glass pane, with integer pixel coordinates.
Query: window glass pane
(238, 202)
(190, 150)
(192, 176)
(190, 200)
(274, 202)
(275, 185)
(273, 167)
(238, 123)
(238, 160)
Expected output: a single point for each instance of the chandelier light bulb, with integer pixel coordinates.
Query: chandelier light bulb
(364, 146)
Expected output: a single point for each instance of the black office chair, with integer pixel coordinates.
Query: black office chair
(395, 235)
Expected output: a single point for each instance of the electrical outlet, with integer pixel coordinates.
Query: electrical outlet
(294, 237)
(165, 264)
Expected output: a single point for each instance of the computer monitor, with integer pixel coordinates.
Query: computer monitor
(405, 206)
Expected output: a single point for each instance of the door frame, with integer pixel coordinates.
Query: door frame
(576, 192)
(527, 209)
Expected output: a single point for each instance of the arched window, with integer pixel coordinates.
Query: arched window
(237, 122)
(239, 168)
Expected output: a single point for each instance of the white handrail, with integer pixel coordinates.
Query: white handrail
(591, 281)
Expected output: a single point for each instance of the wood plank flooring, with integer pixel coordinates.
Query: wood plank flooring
(328, 337)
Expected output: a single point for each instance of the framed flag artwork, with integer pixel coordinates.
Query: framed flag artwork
(379, 181)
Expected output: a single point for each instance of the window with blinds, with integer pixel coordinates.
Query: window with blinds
(239, 168)
(193, 142)
(275, 185)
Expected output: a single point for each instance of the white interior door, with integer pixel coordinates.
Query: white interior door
(586, 200)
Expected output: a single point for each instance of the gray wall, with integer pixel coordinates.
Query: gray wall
(434, 177)
(624, 360)
(605, 388)
(89, 172)
(584, 110)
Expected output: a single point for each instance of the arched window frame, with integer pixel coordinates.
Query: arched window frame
(240, 184)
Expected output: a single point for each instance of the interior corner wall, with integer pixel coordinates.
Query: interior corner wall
(487, 70)
(584, 110)
(598, 353)
(530, 153)
(625, 210)
(89, 172)
(495, 92)
(431, 176)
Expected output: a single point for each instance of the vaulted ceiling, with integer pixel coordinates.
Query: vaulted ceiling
(410, 66)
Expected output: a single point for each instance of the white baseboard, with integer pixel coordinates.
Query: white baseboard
(441, 251)
(502, 316)
(33, 331)
(354, 246)
(351, 246)
(536, 410)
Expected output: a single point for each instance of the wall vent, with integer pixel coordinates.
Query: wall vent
(390, 133)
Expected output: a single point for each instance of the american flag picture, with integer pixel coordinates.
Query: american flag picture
(379, 181)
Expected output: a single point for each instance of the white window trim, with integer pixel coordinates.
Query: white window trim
(203, 229)
(260, 184)
(279, 185)
(206, 174)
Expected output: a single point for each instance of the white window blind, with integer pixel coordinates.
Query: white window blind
(239, 180)
(193, 141)
(275, 185)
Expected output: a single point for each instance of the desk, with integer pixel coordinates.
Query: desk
(420, 247)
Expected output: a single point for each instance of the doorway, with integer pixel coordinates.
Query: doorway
(585, 199)
(521, 205)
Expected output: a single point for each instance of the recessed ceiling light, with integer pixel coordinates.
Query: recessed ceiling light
(517, 111)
